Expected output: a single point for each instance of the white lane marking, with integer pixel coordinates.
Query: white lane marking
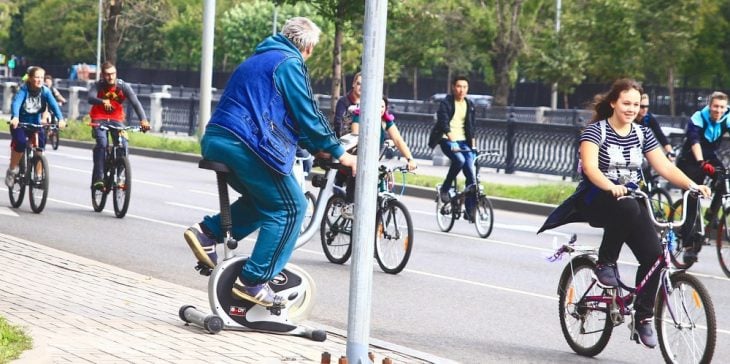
(208, 193)
(523, 228)
(191, 207)
(85, 171)
(73, 156)
(7, 211)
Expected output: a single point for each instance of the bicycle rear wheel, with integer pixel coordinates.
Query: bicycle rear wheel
(676, 253)
(484, 217)
(685, 321)
(586, 326)
(17, 191)
(336, 230)
(723, 242)
(122, 186)
(54, 139)
(39, 182)
(393, 237)
(444, 213)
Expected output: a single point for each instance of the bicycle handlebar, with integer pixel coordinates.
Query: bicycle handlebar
(114, 126)
(637, 193)
(29, 125)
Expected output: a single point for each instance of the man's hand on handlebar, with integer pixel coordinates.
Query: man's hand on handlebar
(61, 124)
(144, 126)
(14, 123)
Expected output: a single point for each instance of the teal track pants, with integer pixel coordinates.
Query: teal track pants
(273, 203)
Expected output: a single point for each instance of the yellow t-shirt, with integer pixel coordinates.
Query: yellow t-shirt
(457, 122)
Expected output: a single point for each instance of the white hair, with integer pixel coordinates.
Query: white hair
(302, 32)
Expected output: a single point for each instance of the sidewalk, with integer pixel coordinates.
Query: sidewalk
(79, 310)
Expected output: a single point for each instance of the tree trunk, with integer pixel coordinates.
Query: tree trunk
(337, 58)
(670, 87)
(112, 33)
(507, 46)
(501, 67)
(415, 83)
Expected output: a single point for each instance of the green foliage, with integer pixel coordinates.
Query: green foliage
(73, 27)
(13, 341)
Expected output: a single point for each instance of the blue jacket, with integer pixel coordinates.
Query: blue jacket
(30, 110)
(268, 104)
(709, 134)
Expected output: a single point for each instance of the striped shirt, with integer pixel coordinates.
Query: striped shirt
(620, 157)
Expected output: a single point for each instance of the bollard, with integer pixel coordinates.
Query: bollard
(343, 360)
(325, 358)
(387, 361)
(371, 356)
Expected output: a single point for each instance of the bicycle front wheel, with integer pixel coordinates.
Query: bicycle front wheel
(586, 326)
(393, 237)
(39, 182)
(484, 217)
(336, 230)
(444, 214)
(723, 242)
(122, 186)
(685, 321)
(17, 191)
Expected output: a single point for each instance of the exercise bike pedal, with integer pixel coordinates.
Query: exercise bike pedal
(203, 269)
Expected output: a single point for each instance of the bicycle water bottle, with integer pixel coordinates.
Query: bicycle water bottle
(671, 240)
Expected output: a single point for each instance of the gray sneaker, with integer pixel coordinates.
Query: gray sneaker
(644, 333)
(10, 176)
(445, 197)
(260, 294)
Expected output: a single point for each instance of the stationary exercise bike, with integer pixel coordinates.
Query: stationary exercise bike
(293, 283)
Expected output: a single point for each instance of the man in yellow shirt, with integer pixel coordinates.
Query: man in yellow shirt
(455, 118)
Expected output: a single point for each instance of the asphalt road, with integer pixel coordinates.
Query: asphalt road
(460, 297)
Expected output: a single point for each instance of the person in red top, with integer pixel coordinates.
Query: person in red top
(107, 97)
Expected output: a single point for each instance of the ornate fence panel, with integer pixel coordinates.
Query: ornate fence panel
(178, 114)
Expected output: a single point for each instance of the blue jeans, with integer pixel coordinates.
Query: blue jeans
(100, 148)
(460, 161)
(270, 202)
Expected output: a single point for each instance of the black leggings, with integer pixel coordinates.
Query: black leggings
(627, 221)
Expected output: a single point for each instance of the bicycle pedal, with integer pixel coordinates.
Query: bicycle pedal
(203, 269)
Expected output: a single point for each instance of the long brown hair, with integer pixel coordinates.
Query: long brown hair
(602, 103)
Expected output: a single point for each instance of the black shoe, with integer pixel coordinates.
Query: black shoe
(607, 274)
(644, 333)
(444, 196)
(690, 255)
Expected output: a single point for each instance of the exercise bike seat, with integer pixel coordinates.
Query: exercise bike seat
(212, 165)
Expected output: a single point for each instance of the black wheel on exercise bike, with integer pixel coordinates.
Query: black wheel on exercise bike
(587, 327)
(484, 217)
(121, 186)
(678, 249)
(17, 191)
(444, 213)
(723, 241)
(685, 321)
(336, 230)
(393, 237)
(38, 178)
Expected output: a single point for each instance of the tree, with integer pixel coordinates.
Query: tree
(507, 45)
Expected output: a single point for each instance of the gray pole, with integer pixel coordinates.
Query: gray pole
(206, 65)
(98, 41)
(554, 95)
(361, 273)
(273, 22)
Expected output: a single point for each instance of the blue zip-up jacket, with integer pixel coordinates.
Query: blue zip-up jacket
(709, 134)
(28, 108)
(268, 104)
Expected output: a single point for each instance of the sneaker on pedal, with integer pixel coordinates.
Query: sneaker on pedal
(260, 294)
(689, 256)
(644, 333)
(607, 274)
(445, 196)
(10, 176)
(98, 185)
(202, 245)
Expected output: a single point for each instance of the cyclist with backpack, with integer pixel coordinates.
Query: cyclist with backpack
(27, 107)
(611, 151)
(698, 158)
